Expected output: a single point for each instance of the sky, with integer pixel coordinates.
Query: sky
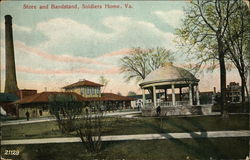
(57, 47)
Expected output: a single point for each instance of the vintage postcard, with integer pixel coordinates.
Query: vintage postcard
(124, 80)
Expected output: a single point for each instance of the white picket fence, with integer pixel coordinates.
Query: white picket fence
(167, 104)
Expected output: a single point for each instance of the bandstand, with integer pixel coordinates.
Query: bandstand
(175, 79)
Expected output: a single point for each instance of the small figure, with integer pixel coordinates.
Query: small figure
(87, 110)
(138, 105)
(158, 111)
(102, 109)
(27, 115)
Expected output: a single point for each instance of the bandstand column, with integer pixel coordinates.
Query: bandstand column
(143, 97)
(197, 95)
(173, 95)
(166, 94)
(190, 95)
(154, 96)
(180, 94)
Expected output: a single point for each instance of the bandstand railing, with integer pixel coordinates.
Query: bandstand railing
(182, 103)
(167, 104)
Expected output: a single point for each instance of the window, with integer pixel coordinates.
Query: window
(97, 90)
(93, 90)
(82, 91)
(88, 90)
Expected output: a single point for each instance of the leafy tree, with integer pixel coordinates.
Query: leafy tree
(203, 31)
(141, 62)
(237, 41)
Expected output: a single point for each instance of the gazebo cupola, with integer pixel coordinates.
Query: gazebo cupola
(171, 77)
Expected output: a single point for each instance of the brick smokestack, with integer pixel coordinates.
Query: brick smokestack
(10, 73)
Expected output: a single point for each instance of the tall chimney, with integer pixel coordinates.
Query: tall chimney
(10, 73)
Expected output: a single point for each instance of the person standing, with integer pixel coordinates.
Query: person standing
(158, 111)
(27, 115)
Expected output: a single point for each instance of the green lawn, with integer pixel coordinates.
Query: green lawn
(141, 125)
(175, 149)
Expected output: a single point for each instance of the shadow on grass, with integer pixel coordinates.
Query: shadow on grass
(194, 149)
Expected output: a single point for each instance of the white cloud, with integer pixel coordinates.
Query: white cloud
(21, 28)
(71, 37)
(62, 30)
(16, 27)
(173, 17)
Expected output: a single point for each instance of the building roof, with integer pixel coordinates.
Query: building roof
(83, 83)
(43, 97)
(110, 97)
(8, 97)
(168, 73)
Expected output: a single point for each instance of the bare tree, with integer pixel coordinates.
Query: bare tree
(119, 93)
(131, 93)
(88, 126)
(66, 108)
(104, 81)
(89, 129)
(141, 62)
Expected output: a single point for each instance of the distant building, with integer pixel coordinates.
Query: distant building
(233, 92)
(6, 100)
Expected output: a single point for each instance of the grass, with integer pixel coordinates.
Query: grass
(8, 118)
(176, 149)
(142, 125)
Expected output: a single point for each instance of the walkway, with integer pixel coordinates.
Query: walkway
(210, 134)
(46, 119)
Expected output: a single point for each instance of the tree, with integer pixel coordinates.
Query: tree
(68, 112)
(204, 29)
(104, 81)
(141, 62)
(66, 108)
(119, 93)
(237, 41)
(90, 130)
(131, 93)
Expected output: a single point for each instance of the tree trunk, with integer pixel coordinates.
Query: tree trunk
(224, 112)
(248, 98)
(243, 85)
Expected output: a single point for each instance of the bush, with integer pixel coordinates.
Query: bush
(90, 131)
(233, 108)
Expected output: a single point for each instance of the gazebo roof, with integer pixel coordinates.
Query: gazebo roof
(171, 74)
